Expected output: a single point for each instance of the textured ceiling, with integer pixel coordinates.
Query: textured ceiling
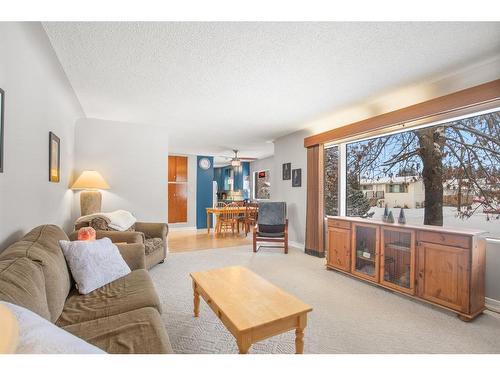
(219, 86)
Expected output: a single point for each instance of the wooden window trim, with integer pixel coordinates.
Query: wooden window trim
(473, 96)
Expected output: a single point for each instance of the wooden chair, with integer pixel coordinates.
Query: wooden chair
(228, 219)
(272, 225)
(250, 218)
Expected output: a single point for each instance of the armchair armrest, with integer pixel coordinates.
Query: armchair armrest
(157, 230)
(133, 254)
(114, 236)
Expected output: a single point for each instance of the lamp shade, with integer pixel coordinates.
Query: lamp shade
(90, 180)
(10, 331)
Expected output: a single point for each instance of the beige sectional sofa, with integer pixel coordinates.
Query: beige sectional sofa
(120, 317)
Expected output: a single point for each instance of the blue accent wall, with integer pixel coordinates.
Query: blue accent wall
(204, 179)
(222, 174)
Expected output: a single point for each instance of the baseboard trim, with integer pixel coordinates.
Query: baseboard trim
(492, 304)
(296, 244)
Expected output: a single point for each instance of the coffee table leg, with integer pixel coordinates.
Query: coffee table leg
(244, 344)
(299, 335)
(196, 301)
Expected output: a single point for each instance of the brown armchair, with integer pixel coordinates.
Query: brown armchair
(152, 235)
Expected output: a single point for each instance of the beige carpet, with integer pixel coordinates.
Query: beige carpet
(349, 316)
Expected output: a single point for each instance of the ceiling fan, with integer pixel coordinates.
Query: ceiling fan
(236, 161)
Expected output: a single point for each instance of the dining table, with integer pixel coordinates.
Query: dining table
(217, 211)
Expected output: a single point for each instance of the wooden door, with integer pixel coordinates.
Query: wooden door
(339, 248)
(443, 275)
(177, 203)
(177, 168)
(181, 169)
(172, 168)
(365, 251)
(177, 189)
(397, 259)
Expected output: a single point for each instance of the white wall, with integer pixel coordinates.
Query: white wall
(38, 99)
(133, 159)
(288, 149)
(191, 197)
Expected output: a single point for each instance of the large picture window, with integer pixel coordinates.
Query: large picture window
(445, 174)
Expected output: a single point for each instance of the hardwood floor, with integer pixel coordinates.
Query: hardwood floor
(192, 240)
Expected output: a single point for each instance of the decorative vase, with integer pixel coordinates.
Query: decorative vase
(402, 217)
(386, 213)
(86, 234)
(390, 218)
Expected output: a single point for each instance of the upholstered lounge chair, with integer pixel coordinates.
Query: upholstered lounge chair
(272, 225)
(152, 235)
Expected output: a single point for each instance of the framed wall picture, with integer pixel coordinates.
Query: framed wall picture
(287, 171)
(2, 111)
(297, 177)
(54, 158)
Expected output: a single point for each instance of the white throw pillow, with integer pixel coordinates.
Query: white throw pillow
(39, 336)
(94, 263)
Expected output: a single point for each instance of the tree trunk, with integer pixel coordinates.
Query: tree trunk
(431, 151)
(459, 195)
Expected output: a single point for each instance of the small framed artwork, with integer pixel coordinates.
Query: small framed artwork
(297, 177)
(54, 158)
(287, 169)
(2, 106)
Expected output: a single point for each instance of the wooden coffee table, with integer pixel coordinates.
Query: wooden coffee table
(250, 307)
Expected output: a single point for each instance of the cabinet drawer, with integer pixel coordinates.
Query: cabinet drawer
(444, 239)
(339, 224)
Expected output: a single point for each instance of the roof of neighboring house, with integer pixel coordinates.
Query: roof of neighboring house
(389, 180)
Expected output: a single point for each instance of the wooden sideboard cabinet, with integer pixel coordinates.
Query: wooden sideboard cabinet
(438, 265)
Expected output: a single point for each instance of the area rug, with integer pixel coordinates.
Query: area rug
(349, 316)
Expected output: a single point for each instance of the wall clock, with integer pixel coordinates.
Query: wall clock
(204, 163)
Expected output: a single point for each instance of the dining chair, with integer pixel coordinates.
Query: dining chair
(228, 219)
(250, 217)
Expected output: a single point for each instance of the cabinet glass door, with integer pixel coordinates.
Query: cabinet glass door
(365, 252)
(398, 259)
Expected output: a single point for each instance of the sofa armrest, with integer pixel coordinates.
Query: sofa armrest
(157, 230)
(133, 254)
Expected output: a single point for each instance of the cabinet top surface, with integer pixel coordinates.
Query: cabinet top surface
(432, 228)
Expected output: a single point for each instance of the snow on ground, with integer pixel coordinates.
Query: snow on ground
(476, 221)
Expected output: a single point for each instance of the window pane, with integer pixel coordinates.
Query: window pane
(331, 183)
(262, 185)
(448, 174)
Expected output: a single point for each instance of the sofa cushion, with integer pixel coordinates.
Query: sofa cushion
(39, 336)
(140, 331)
(134, 291)
(22, 283)
(41, 244)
